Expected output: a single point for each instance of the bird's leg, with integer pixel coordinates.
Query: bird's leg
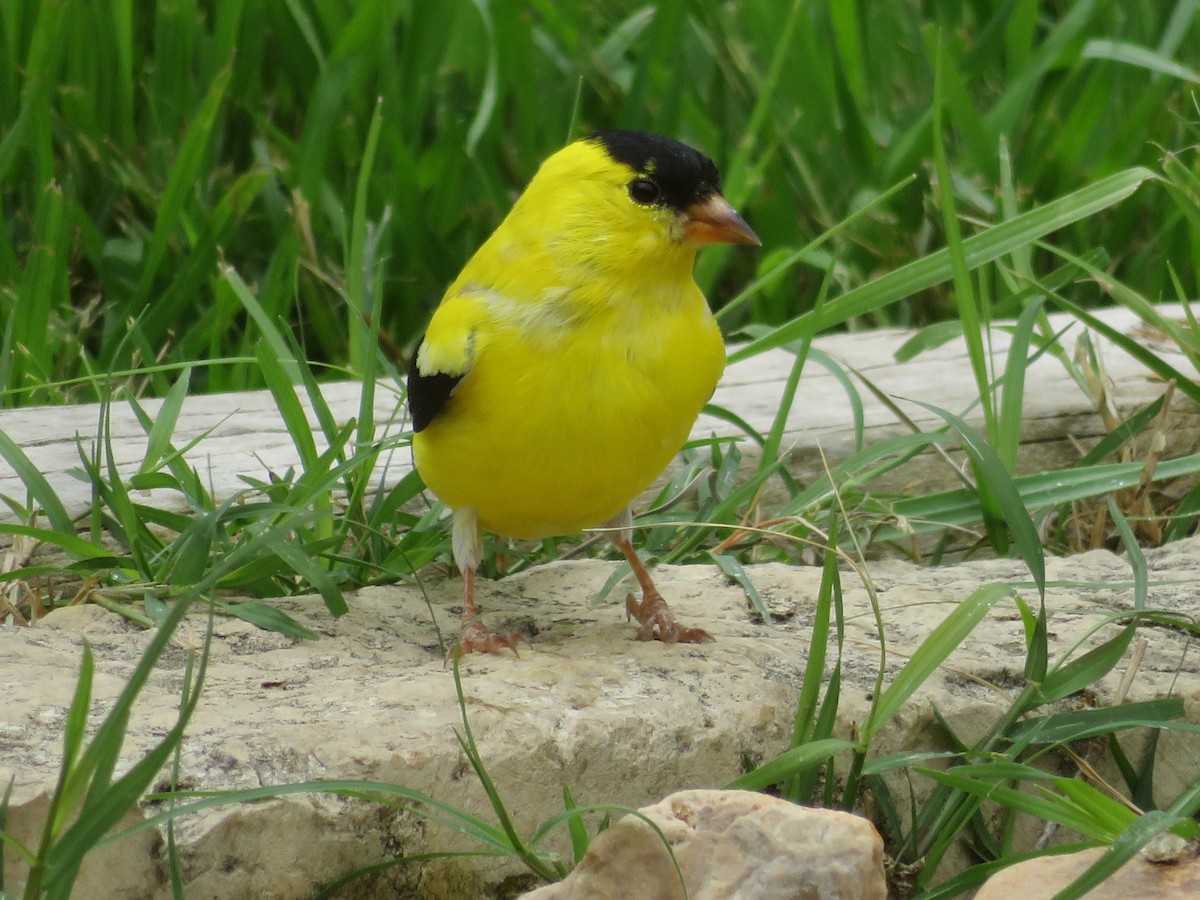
(651, 612)
(473, 637)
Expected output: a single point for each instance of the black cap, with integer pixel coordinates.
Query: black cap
(683, 175)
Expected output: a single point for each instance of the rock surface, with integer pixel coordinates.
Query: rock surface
(1041, 879)
(585, 705)
(730, 844)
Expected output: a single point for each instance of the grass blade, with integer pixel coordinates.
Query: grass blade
(158, 437)
(985, 247)
(275, 373)
(992, 474)
(789, 764)
(737, 573)
(38, 487)
(26, 351)
(941, 642)
(184, 175)
(974, 320)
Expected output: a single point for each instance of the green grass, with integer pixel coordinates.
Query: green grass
(198, 197)
(148, 148)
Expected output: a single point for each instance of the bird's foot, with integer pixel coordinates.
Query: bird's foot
(658, 623)
(473, 637)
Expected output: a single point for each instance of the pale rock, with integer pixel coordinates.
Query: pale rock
(730, 845)
(105, 871)
(1175, 878)
(620, 721)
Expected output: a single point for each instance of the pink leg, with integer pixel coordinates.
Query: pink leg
(473, 637)
(652, 612)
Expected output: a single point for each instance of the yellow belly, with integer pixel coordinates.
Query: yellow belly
(549, 438)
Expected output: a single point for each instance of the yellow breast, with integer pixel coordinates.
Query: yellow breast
(557, 426)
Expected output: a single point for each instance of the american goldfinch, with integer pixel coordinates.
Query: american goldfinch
(567, 363)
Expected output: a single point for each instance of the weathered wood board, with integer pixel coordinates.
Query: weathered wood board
(243, 434)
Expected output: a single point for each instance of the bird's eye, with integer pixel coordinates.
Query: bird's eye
(643, 190)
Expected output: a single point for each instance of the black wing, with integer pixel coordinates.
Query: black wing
(427, 394)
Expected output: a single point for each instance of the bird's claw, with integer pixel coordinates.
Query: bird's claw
(658, 624)
(474, 638)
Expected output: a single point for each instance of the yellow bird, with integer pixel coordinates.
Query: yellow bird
(567, 363)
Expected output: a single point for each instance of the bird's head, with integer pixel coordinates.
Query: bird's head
(625, 200)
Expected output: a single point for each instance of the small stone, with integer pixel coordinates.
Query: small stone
(1036, 879)
(1167, 849)
(730, 844)
(87, 618)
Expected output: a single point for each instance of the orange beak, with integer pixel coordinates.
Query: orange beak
(713, 221)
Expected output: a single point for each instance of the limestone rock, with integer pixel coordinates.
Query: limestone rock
(586, 705)
(730, 845)
(1177, 878)
(106, 871)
